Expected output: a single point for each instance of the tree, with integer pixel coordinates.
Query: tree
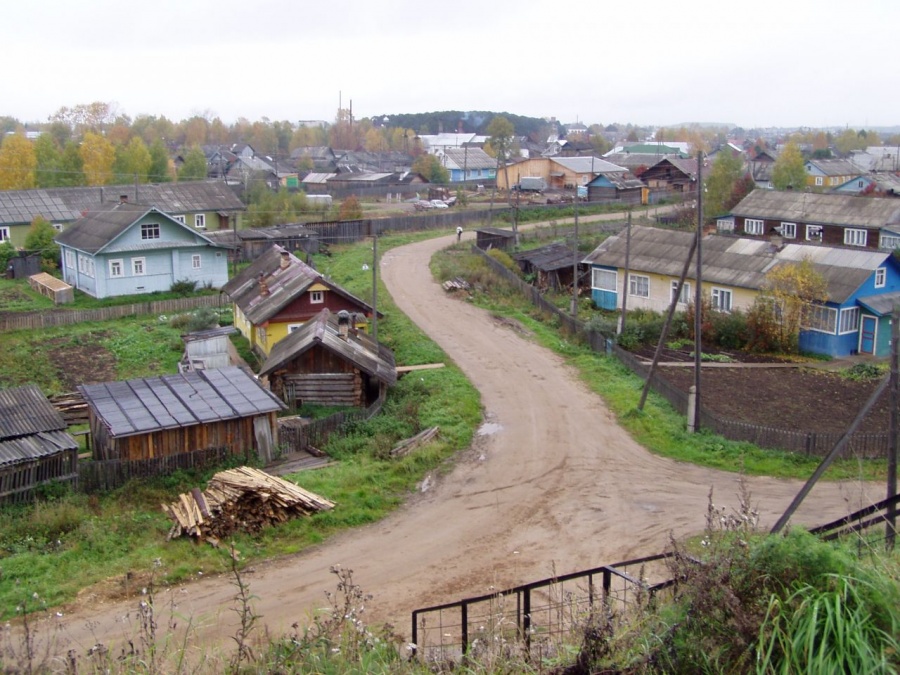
(71, 166)
(49, 162)
(430, 166)
(350, 209)
(194, 167)
(98, 156)
(133, 161)
(788, 294)
(849, 140)
(40, 237)
(159, 163)
(501, 132)
(17, 163)
(789, 170)
(725, 173)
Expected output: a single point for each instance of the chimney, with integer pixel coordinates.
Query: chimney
(263, 286)
(123, 199)
(343, 324)
(285, 260)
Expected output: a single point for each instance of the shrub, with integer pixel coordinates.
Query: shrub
(183, 287)
(642, 327)
(504, 259)
(862, 372)
(202, 319)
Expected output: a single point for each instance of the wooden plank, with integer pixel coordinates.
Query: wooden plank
(402, 370)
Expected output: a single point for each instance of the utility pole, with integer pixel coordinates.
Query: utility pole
(620, 325)
(375, 287)
(574, 262)
(891, 525)
(698, 297)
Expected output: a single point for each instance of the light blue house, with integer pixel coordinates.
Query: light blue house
(468, 164)
(129, 249)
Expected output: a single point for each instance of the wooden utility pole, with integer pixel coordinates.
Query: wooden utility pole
(620, 325)
(891, 525)
(698, 297)
(375, 288)
(574, 263)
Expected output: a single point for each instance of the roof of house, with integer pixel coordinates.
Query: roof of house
(469, 159)
(826, 209)
(587, 164)
(636, 159)
(736, 261)
(358, 348)
(285, 277)
(882, 305)
(71, 203)
(548, 258)
(30, 427)
(622, 180)
(834, 167)
(171, 401)
(687, 166)
(99, 229)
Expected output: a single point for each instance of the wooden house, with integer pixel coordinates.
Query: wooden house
(672, 175)
(558, 173)
(176, 414)
(468, 164)
(329, 362)
(278, 293)
(35, 448)
(812, 218)
(622, 186)
(829, 173)
(852, 320)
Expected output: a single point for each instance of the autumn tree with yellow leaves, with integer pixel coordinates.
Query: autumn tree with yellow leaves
(18, 163)
(99, 156)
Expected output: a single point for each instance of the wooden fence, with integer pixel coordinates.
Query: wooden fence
(67, 317)
(810, 443)
(94, 476)
(298, 438)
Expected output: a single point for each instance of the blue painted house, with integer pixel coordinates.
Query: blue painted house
(468, 164)
(129, 249)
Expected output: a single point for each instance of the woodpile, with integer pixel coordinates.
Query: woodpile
(72, 407)
(403, 448)
(456, 284)
(244, 499)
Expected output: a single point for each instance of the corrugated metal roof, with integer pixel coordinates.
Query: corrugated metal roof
(548, 258)
(25, 410)
(197, 397)
(469, 159)
(587, 164)
(35, 446)
(823, 209)
(360, 349)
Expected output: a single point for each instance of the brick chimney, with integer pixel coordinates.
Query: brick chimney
(263, 286)
(123, 199)
(285, 260)
(343, 324)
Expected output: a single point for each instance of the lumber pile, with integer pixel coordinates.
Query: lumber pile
(456, 284)
(245, 499)
(403, 448)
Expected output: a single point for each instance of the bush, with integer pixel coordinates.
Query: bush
(202, 319)
(183, 287)
(642, 327)
(504, 259)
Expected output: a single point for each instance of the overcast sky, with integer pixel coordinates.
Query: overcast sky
(656, 62)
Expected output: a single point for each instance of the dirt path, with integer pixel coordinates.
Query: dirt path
(556, 484)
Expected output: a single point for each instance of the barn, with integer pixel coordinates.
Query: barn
(176, 414)
(327, 361)
(34, 446)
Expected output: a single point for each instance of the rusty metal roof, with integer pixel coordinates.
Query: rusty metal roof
(187, 399)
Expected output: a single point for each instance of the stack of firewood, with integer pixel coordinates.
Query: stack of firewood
(244, 499)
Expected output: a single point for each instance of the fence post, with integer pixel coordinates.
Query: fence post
(692, 408)
(526, 618)
(464, 619)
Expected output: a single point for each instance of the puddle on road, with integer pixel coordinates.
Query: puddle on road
(489, 428)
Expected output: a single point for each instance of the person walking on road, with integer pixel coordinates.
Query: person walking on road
(458, 232)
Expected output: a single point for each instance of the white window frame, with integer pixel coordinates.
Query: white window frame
(819, 181)
(889, 241)
(138, 266)
(814, 233)
(639, 285)
(70, 259)
(821, 319)
(754, 226)
(855, 237)
(316, 297)
(600, 279)
(849, 321)
(725, 225)
(880, 277)
(58, 227)
(86, 265)
(116, 268)
(291, 327)
(685, 292)
(718, 299)
(4, 233)
(196, 261)
(200, 221)
(180, 218)
(789, 230)
(150, 231)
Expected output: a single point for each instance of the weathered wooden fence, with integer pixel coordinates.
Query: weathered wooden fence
(68, 317)
(807, 442)
(296, 438)
(106, 475)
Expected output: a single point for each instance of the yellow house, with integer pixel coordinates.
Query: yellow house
(827, 174)
(557, 172)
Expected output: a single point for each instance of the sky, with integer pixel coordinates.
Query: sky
(768, 63)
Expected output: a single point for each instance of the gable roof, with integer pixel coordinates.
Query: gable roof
(171, 401)
(96, 231)
(823, 209)
(284, 283)
(587, 164)
(30, 427)
(554, 256)
(833, 167)
(736, 261)
(68, 204)
(469, 158)
(622, 180)
(360, 349)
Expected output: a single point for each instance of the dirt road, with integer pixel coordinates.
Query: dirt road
(553, 482)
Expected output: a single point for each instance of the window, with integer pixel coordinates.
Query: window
(853, 237)
(890, 241)
(4, 233)
(316, 297)
(753, 226)
(604, 280)
(58, 227)
(725, 225)
(639, 285)
(86, 265)
(293, 326)
(813, 233)
(138, 266)
(820, 318)
(880, 277)
(721, 299)
(685, 293)
(860, 184)
(849, 320)
(150, 231)
(200, 220)
(196, 261)
(179, 218)
(70, 259)
(116, 269)
(818, 180)
(789, 230)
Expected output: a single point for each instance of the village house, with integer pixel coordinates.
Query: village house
(860, 284)
(277, 293)
(829, 173)
(558, 173)
(468, 164)
(812, 218)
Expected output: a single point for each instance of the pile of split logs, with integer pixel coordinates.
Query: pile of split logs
(243, 499)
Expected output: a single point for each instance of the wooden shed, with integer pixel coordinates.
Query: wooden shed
(56, 289)
(551, 265)
(34, 445)
(493, 237)
(176, 414)
(327, 361)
